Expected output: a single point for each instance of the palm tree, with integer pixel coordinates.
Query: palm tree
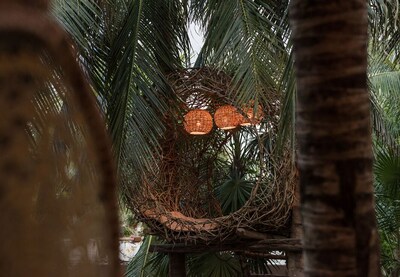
(333, 133)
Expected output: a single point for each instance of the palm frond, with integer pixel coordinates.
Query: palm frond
(387, 171)
(384, 18)
(286, 128)
(126, 48)
(147, 264)
(233, 193)
(222, 264)
(384, 80)
(386, 87)
(246, 38)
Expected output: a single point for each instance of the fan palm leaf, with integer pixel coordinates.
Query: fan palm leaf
(214, 264)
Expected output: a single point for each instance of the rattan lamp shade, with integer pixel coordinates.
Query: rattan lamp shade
(252, 116)
(227, 117)
(198, 122)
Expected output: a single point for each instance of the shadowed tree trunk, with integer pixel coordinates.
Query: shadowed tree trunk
(334, 138)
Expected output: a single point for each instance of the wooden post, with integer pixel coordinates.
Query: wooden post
(177, 265)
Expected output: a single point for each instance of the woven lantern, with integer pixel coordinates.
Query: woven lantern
(198, 122)
(252, 117)
(227, 117)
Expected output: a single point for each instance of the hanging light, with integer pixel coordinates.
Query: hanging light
(227, 117)
(198, 122)
(252, 116)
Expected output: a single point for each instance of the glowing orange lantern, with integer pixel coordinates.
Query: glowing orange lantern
(198, 122)
(227, 117)
(252, 116)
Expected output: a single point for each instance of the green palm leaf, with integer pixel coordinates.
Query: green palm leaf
(387, 173)
(233, 193)
(147, 264)
(222, 264)
(126, 50)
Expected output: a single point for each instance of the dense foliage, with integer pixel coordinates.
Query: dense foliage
(127, 48)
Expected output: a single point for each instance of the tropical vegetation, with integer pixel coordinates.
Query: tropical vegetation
(128, 47)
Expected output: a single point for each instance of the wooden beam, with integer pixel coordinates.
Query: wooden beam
(132, 239)
(249, 234)
(267, 275)
(181, 248)
(288, 245)
(252, 254)
(267, 244)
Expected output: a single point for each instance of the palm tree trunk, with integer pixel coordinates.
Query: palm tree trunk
(334, 138)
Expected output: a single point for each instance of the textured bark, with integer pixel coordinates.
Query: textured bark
(334, 138)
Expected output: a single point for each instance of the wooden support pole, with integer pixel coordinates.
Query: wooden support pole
(177, 265)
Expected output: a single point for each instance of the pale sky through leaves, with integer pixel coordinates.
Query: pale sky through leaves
(196, 39)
